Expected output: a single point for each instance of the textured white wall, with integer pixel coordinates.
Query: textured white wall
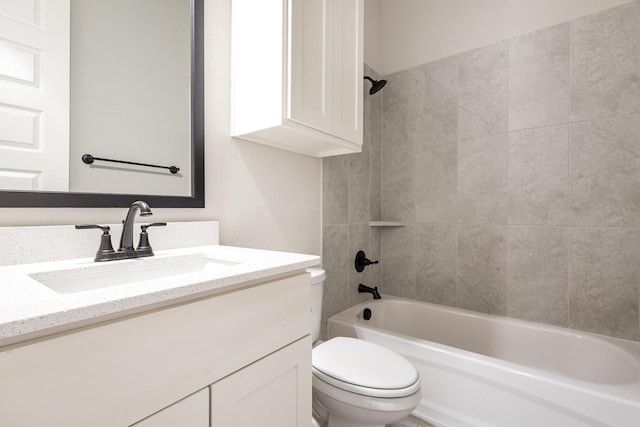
(263, 197)
(415, 32)
(372, 33)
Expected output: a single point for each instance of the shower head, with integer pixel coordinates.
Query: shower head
(376, 85)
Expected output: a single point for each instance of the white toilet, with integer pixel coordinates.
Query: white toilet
(357, 383)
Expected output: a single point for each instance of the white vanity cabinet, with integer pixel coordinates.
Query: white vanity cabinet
(271, 392)
(297, 74)
(192, 411)
(246, 398)
(196, 358)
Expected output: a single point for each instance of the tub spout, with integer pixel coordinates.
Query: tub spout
(366, 289)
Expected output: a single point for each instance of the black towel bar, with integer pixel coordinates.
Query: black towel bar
(89, 159)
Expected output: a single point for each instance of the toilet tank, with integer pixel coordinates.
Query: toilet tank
(317, 285)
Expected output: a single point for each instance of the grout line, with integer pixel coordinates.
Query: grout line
(457, 227)
(507, 192)
(569, 122)
(569, 277)
(571, 215)
(569, 80)
(531, 225)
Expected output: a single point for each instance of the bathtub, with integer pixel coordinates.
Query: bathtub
(484, 370)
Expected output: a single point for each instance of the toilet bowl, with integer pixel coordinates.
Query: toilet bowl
(357, 383)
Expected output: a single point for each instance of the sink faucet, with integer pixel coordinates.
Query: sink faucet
(126, 249)
(126, 239)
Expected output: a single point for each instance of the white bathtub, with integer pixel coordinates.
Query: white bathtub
(483, 370)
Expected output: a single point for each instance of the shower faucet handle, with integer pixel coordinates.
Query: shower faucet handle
(362, 261)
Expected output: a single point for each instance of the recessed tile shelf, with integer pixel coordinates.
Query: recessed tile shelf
(387, 224)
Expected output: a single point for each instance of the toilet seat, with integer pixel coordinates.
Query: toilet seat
(364, 368)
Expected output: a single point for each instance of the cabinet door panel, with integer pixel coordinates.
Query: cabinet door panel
(272, 392)
(192, 411)
(311, 62)
(348, 69)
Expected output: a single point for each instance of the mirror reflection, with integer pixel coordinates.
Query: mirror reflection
(106, 78)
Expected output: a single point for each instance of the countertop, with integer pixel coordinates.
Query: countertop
(29, 309)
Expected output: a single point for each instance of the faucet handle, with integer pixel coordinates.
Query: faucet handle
(153, 224)
(104, 228)
(105, 240)
(143, 244)
(362, 261)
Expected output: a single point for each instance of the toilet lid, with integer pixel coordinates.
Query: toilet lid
(365, 368)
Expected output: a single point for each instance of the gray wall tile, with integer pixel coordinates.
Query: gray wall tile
(359, 187)
(436, 182)
(335, 246)
(398, 194)
(374, 274)
(538, 176)
(605, 172)
(482, 176)
(604, 277)
(539, 78)
(364, 167)
(398, 261)
(484, 85)
(335, 190)
(605, 63)
(538, 274)
(482, 269)
(436, 255)
(401, 106)
(375, 155)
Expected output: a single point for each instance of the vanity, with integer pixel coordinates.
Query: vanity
(199, 334)
(193, 336)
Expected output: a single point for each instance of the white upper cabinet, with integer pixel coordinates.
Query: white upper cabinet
(297, 74)
(348, 73)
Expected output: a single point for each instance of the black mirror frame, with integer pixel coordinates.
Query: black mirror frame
(50, 199)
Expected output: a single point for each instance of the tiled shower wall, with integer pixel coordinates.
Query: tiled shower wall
(517, 169)
(351, 195)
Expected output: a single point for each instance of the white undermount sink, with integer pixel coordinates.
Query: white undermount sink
(115, 273)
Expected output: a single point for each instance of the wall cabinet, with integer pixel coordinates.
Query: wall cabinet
(297, 74)
(252, 343)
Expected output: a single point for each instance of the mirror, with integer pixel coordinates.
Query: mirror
(166, 93)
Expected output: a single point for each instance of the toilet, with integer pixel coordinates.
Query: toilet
(357, 383)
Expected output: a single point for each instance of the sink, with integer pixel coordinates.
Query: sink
(116, 273)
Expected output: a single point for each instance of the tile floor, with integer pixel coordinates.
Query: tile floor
(411, 421)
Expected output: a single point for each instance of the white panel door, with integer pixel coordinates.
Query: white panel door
(34, 94)
(311, 63)
(348, 30)
(273, 392)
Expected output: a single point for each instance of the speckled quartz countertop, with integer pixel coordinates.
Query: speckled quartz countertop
(29, 309)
